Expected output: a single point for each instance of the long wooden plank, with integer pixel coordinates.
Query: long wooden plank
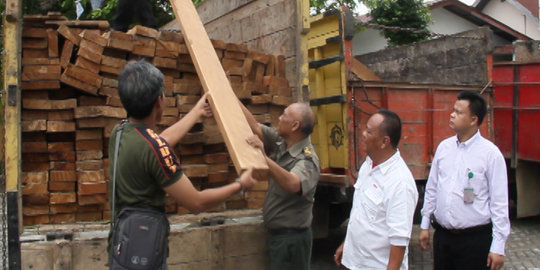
(231, 120)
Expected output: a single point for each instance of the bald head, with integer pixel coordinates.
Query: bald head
(305, 115)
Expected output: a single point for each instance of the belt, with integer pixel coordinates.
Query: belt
(287, 230)
(479, 228)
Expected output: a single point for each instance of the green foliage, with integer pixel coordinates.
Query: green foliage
(402, 14)
(321, 6)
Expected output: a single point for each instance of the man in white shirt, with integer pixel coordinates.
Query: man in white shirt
(466, 197)
(385, 197)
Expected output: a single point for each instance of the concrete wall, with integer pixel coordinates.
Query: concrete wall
(527, 51)
(443, 61)
(234, 246)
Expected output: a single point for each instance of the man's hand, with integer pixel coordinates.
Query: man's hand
(246, 179)
(495, 261)
(339, 254)
(424, 239)
(202, 107)
(254, 141)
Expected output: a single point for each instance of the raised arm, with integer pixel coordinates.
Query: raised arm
(253, 124)
(178, 130)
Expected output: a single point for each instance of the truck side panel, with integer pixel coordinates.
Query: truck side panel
(424, 111)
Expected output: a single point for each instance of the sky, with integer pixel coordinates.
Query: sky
(361, 9)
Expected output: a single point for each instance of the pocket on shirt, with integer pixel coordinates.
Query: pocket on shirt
(371, 203)
(479, 183)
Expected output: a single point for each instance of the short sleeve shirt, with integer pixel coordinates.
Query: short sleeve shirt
(146, 165)
(384, 201)
(283, 209)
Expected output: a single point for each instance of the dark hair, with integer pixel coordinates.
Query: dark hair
(139, 86)
(390, 126)
(308, 118)
(477, 103)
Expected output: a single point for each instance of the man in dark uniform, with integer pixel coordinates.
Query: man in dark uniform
(294, 172)
(147, 166)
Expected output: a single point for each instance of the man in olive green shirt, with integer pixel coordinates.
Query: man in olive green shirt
(294, 172)
(147, 166)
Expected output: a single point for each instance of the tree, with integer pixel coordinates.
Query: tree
(400, 14)
(320, 6)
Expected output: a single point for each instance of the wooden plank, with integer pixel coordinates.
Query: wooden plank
(93, 37)
(167, 48)
(40, 61)
(40, 85)
(227, 111)
(87, 64)
(33, 32)
(34, 125)
(144, 46)
(60, 126)
(104, 25)
(78, 84)
(84, 75)
(119, 40)
(69, 34)
(61, 115)
(52, 37)
(45, 104)
(67, 52)
(97, 111)
(34, 43)
(143, 31)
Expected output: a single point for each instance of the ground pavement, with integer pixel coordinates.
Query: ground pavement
(522, 249)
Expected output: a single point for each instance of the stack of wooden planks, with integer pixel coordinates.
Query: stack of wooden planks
(70, 104)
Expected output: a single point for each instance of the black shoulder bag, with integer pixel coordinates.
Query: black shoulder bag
(140, 236)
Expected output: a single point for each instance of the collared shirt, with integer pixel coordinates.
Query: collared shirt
(283, 209)
(382, 215)
(448, 178)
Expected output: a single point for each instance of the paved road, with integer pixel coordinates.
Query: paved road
(522, 249)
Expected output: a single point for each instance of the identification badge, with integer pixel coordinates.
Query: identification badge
(468, 195)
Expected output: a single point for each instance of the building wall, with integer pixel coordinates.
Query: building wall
(507, 13)
(443, 22)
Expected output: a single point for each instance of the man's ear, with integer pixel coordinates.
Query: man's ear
(296, 125)
(474, 121)
(385, 142)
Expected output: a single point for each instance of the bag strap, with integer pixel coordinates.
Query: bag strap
(115, 165)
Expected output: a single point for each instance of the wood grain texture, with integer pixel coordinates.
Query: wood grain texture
(227, 111)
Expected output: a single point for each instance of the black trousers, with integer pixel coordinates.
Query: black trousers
(461, 250)
(126, 10)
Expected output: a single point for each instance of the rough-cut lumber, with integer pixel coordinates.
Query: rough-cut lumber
(69, 34)
(97, 111)
(143, 31)
(83, 24)
(227, 111)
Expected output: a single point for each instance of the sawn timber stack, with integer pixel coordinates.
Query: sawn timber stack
(70, 104)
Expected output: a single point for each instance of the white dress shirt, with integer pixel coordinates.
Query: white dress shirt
(449, 177)
(383, 207)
